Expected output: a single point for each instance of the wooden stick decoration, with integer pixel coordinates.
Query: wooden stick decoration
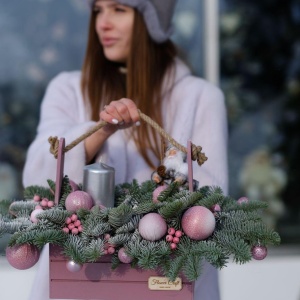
(59, 169)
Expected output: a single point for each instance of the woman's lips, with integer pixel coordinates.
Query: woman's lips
(106, 42)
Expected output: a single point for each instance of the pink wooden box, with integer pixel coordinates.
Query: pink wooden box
(99, 281)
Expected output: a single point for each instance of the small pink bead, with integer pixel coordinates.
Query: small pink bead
(74, 217)
(105, 252)
(75, 231)
(178, 233)
(50, 203)
(169, 238)
(171, 230)
(68, 220)
(176, 240)
(36, 198)
(106, 246)
(111, 250)
(173, 246)
(80, 228)
(77, 223)
(71, 226)
(107, 236)
(66, 230)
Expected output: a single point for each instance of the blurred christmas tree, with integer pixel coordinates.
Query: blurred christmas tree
(260, 66)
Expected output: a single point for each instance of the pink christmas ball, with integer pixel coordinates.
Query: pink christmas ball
(124, 257)
(157, 192)
(152, 227)
(22, 257)
(259, 252)
(77, 200)
(198, 223)
(73, 267)
(243, 200)
(33, 215)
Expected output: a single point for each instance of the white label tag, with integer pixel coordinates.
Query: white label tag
(157, 283)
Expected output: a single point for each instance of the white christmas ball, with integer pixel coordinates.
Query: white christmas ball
(152, 227)
(198, 223)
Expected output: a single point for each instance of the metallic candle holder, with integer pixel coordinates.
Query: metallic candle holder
(99, 182)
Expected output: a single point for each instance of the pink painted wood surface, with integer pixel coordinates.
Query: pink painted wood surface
(190, 165)
(59, 169)
(98, 281)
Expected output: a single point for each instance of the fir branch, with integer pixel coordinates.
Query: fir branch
(74, 249)
(120, 239)
(211, 200)
(130, 226)
(231, 244)
(119, 215)
(22, 208)
(43, 192)
(94, 229)
(192, 267)
(175, 266)
(4, 207)
(38, 238)
(169, 192)
(145, 208)
(55, 216)
(93, 251)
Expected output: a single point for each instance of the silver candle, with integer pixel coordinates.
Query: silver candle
(99, 182)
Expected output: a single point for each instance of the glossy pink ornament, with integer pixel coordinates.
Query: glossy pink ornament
(124, 257)
(157, 192)
(73, 267)
(259, 252)
(22, 257)
(198, 223)
(77, 200)
(152, 227)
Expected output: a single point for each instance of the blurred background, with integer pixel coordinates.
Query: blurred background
(258, 69)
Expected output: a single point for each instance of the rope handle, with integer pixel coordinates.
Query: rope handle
(196, 151)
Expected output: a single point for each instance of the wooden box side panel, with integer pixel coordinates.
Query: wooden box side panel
(114, 290)
(98, 281)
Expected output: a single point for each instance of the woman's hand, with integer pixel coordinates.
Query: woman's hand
(118, 114)
(122, 112)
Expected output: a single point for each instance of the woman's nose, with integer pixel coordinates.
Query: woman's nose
(105, 21)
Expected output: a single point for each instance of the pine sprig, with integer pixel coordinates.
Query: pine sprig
(120, 215)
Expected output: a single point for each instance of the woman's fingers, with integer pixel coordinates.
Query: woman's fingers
(123, 111)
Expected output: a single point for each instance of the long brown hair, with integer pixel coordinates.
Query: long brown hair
(147, 65)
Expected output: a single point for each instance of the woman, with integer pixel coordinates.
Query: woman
(130, 57)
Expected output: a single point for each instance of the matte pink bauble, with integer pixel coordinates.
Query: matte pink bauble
(73, 267)
(157, 192)
(22, 257)
(152, 227)
(33, 215)
(198, 223)
(77, 200)
(259, 252)
(124, 257)
(243, 200)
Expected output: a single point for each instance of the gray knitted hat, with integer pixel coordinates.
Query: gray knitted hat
(157, 16)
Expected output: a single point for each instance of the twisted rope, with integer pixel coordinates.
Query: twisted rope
(197, 154)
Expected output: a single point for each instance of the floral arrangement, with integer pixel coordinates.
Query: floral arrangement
(152, 226)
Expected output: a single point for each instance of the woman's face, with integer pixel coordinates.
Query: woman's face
(114, 23)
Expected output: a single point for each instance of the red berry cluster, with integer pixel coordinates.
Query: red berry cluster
(108, 248)
(173, 237)
(44, 203)
(73, 225)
